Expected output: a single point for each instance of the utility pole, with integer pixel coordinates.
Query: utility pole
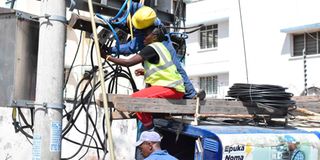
(49, 92)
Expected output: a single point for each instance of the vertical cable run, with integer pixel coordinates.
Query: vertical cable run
(305, 71)
(244, 44)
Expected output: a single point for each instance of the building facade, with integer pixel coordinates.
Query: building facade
(258, 42)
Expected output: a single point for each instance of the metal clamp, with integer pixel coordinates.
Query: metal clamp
(51, 105)
(31, 104)
(54, 105)
(21, 103)
(52, 18)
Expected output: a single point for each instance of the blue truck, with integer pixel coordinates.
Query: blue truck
(225, 141)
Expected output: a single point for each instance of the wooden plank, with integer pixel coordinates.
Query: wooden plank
(311, 106)
(125, 103)
(310, 103)
(227, 115)
(306, 112)
(306, 98)
(209, 107)
(121, 115)
(308, 118)
(219, 108)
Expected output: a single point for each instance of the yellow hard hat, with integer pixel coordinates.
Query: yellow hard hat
(144, 18)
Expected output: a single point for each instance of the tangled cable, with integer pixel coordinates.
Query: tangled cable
(268, 96)
(83, 103)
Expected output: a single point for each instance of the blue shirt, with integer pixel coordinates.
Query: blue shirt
(160, 155)
(297, 155)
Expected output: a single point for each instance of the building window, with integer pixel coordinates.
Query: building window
(308, 41)
(209, 84)
(209, 36)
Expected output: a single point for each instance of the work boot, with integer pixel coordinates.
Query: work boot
(201, 94)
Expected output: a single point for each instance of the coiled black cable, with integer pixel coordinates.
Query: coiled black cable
(271, 96)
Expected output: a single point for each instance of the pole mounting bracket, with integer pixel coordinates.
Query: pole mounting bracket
(52, 18)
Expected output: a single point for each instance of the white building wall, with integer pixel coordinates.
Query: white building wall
(268, 50)
(211, 60)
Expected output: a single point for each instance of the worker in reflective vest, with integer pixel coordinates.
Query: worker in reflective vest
(160, 73)
(143, 18)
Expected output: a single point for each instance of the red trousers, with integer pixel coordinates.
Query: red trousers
(155, 92)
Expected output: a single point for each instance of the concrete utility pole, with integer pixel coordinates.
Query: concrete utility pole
(49, 91)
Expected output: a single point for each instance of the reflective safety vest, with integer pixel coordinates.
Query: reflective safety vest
(165, 72)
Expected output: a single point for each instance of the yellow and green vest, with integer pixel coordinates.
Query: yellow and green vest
(165, 72)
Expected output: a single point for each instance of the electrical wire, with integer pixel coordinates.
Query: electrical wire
(112, 29)
(83, 141)
(71, 121)
(84, 98)
(120, 11)
(130, 20)
(179, 14)
(87, 124)
(77, 143)
(244, 43)
(76, 105)
(19, 125)
(124, 18)
(95, 122)
(12, 4)
(74, 59)
(90, 94)
(266, 96)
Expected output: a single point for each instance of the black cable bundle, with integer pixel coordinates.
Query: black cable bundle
(268, 96)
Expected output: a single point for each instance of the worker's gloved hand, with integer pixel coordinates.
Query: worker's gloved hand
(201, 94)
(139, 72)
(105, 51)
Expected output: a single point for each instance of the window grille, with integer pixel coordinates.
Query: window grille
(209, 36)
(308, 41)
(209, 84)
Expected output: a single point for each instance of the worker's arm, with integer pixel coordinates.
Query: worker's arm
(131, 47)
(126, 62)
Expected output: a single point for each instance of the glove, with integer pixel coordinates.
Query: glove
(139, 71)
(105, 51)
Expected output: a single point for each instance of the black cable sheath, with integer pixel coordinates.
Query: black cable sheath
(74, 59)
(262, 95)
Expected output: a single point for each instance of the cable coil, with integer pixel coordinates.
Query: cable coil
(269, 96)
